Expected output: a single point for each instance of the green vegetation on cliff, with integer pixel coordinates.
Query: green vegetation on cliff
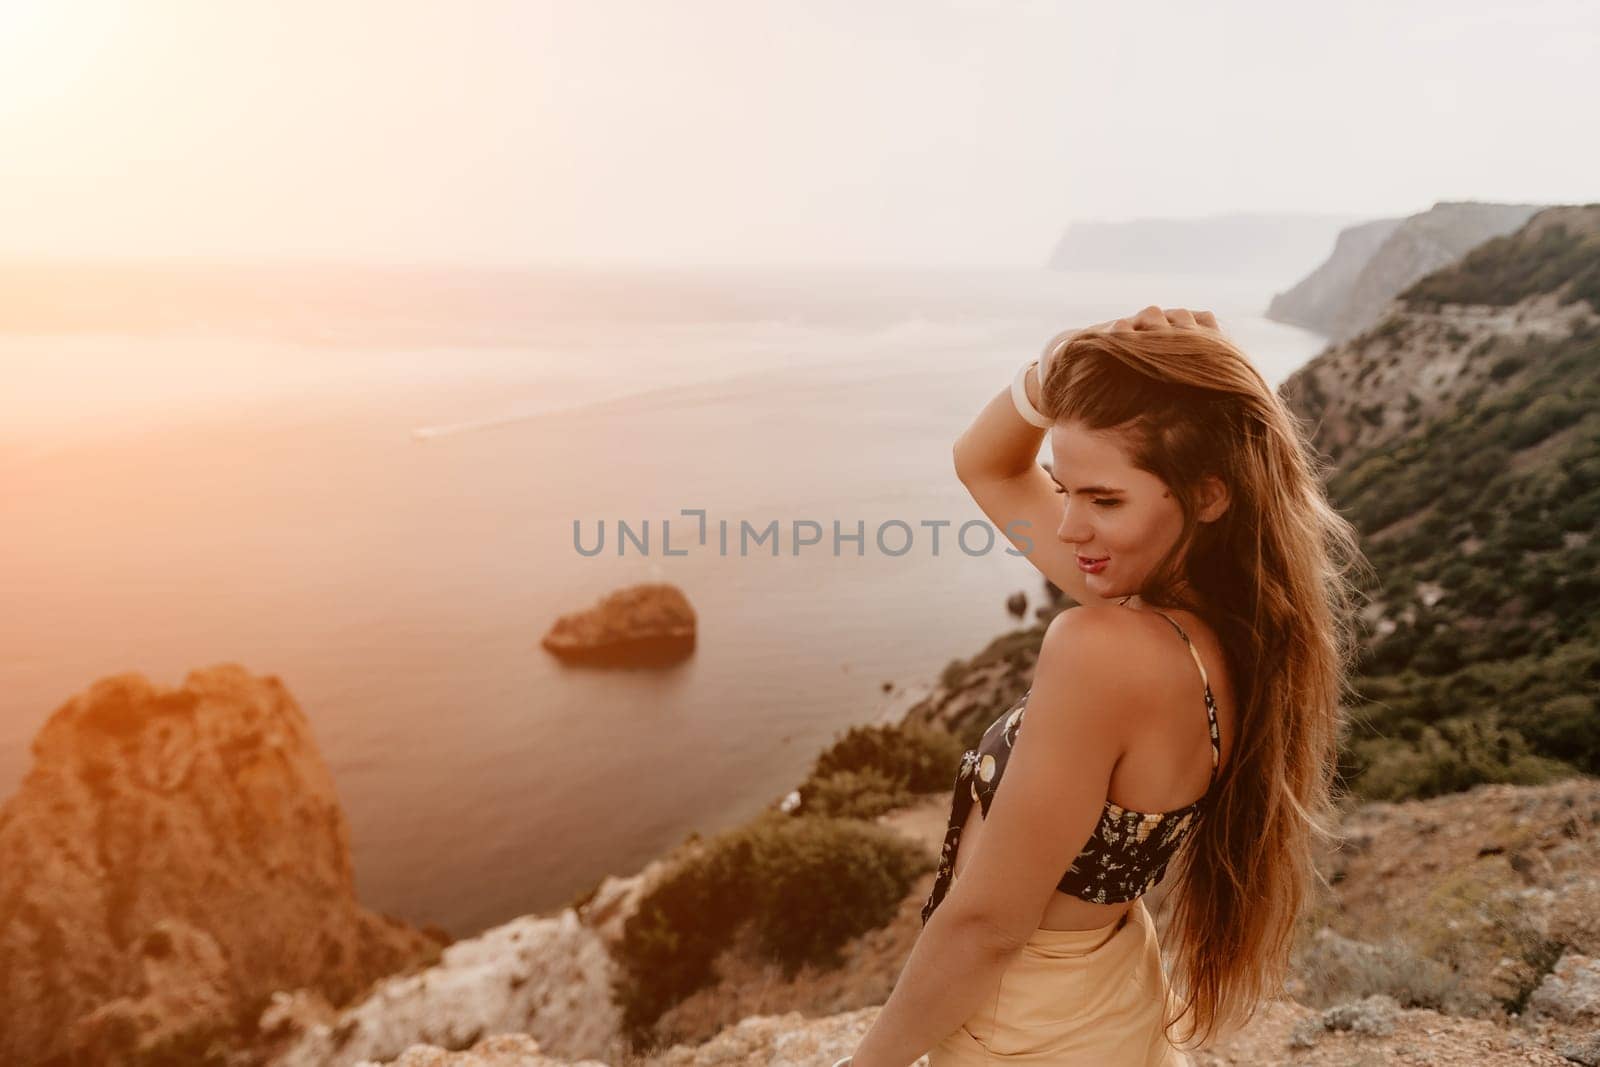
(1483, 659)
(1506, 270)
(802, 885)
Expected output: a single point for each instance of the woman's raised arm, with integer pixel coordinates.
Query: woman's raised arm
(997, 459)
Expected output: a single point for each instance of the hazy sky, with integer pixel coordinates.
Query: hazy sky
(893, 131)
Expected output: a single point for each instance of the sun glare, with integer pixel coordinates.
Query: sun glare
(49, 47)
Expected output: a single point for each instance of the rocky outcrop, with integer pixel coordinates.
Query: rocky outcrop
(501, 1050)
(1425, 356)
(1416, 366)
(548, 978)
(173, 857)
(1318, 300)
(1375, 261)
(645, 624)
(1571, 991)
(538, 988)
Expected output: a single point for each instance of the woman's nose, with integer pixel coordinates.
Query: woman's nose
(1072, 529)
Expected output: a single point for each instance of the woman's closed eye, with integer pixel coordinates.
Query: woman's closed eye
(1104, 501)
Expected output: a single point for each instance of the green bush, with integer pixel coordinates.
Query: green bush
(1336, 971)
(920, 759)
(1453, 755)
(1542, 418)
(863, 794)
(1506, 366)
(807, 884)
(1392, 328)
(1568, 728)
(1438, 653)
(1507, 269)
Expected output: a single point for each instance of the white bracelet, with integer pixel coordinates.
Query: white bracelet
(845, 1062)
(1019, 397)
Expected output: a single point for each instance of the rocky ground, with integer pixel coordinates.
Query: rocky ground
(1457, 932)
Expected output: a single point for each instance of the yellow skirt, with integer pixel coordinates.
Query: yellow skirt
(1075, 998)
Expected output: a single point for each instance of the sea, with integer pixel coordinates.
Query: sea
(383, 484)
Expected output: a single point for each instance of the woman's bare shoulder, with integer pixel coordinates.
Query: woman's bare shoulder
(1103, 622)
(1133, 644)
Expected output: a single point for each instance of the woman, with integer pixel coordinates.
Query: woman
(1182, 502)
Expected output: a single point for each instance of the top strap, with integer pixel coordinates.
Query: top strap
(1192, 650)
(1211, 702)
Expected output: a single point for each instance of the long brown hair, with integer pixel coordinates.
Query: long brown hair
(1276, 576)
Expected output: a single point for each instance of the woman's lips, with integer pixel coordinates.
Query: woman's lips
(1090, 565)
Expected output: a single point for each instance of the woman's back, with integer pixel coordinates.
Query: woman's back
(1167, 769)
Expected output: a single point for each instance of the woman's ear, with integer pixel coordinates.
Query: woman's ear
(1214, 498)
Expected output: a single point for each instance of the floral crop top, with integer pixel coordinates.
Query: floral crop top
(1128, 852)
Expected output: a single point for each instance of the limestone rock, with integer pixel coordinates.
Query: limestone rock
(548, 978)
(1373, 262)
(1570, 992)
(647, 624)
(176, 855)
(501, 1050)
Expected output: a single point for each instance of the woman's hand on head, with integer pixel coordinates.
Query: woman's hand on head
(1156, 318)
(1151, 318)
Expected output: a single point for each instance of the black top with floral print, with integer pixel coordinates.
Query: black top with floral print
(1128, 852)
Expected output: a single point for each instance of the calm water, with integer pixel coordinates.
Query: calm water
(366, 484)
